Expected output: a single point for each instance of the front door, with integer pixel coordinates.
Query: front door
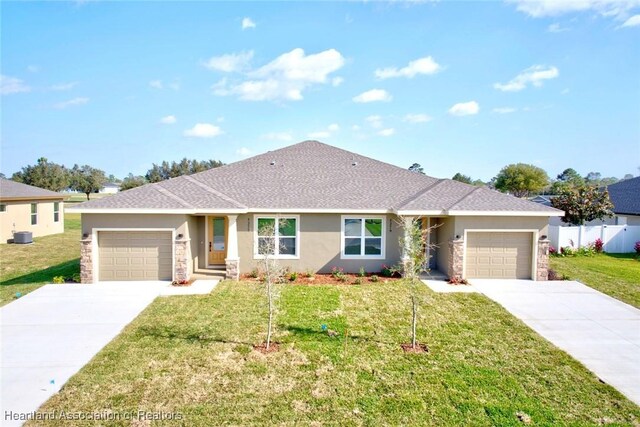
(217, 240)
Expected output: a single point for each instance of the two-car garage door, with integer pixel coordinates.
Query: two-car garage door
(498, 255)
(135, 255)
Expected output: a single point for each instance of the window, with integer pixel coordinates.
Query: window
(3, 207)
(362, 237)
(34, 213)
(277, 235)
(56, 211)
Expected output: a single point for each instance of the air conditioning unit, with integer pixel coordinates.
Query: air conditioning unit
(22, 237)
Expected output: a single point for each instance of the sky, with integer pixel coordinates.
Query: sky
(454, 86)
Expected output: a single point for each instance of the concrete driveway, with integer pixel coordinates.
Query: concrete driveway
(597, 330)
(49, 334)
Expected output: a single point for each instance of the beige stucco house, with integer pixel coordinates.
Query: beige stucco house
(27, 208)
(334, 208)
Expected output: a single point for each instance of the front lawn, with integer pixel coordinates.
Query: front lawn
(193, 355)
(617, 275)
(24, 268)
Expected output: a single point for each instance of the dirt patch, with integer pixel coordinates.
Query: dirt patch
(418, 349)
(262, 348)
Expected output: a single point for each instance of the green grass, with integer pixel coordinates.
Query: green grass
(617, 275)
(193, 355)
(24, 268)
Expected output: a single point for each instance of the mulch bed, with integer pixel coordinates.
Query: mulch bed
(179, 284)
(419, 348)
(262, 348)
(328, 279)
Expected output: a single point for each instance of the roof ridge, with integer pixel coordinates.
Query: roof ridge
(421, 192)
(214, 191)
(166, 192)
(464, 197)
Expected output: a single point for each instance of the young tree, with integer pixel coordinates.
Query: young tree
(414, 262)
(416, 168)
(521, 179)
(86, 179)
(273, 272)
(462, 178)
(132, 181)
(44, 174)
(583, 204)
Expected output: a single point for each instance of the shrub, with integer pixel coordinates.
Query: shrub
(361, 273)
(338, 274)
(309, 273)
(457, 280)
(586, 250)
(254, 273)
(598, 245)
(58, 280)
(387, 271)
(554, 275)
(553, 251)
(358, 281)
(293, 276)
(637, 248)
(77, 278)
(374, 278)
(567, 251)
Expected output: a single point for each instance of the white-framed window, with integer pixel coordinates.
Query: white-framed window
(34, 214)
(56, 211)
(363, 237)
(281, 233)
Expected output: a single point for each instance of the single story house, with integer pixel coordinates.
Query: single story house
(27, 208)
(625, 196)
(110, 188)
(334, 208)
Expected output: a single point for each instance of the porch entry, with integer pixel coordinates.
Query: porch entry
(217, 240)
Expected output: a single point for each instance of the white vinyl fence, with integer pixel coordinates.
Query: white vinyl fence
(616, 238)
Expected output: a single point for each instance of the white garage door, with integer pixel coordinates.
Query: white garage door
(498, 255)
(135, 255)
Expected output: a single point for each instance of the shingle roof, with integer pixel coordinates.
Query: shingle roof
(312, 175)
(16, 190)
(625, 196)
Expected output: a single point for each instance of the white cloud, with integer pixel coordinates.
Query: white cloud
(556, 28)
(424, 65)
(278, 136)
(64, 86)
(248, 23)
(387, 132)
(159, 84)
(333, 127)
(504, 110)
(319, 135)
(337, 81)
(71, 103)
(231, 62)
(9, 85)
(374, 121)
(355, 127)
(373, 95)
(465, 109)
(618, 9)
(243, 151)
(168, 120)
(203, 130)
(33, 68)
(534, 75)
(286, 77)
(564, 91)
(634, 21)
(417, 118)
(156, 84)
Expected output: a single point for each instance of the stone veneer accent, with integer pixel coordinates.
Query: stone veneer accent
(233, 268)
(456, 258)
(181, 259)
(86, 260)
(542, 267)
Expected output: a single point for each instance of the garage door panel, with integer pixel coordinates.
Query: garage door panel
(127, 255)
(504, 255)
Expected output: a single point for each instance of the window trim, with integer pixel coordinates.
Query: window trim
(31, 214)
(383, 237)
(277, 218)
(56, 213)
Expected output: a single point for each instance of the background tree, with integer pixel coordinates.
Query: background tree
(112, 178)
(44, 174)
(132, 181)
(625, 177)
(462, 178)
(87, 179)
(416, 168)
(2, 176)
(167, 170)
(521, 179)
(583, 204)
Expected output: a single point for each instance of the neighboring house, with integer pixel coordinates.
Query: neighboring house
(335, 209)
(625, 196)
(542, 199)
(110, 188)
(27, 208)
